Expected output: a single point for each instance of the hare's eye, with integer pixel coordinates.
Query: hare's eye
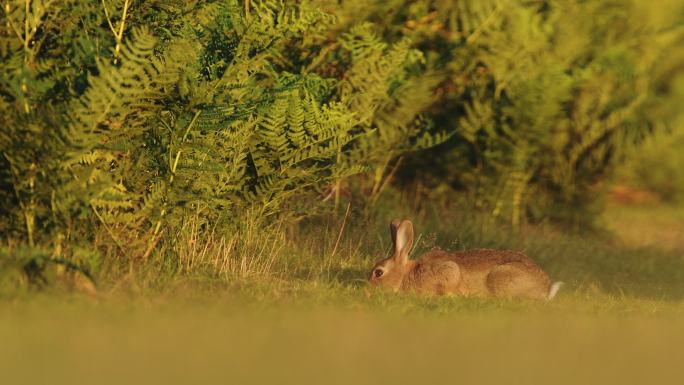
(378, 273)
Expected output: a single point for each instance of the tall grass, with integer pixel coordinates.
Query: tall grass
(249, 253)
(330, 255)
(332, 252)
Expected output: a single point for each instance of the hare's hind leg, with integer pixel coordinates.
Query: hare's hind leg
(516, 279)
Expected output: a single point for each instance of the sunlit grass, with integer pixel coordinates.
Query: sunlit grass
(304, 315)
(261, 334)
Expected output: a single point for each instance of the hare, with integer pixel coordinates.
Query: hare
(478, 272)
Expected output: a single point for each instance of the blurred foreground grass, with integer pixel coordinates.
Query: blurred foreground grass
(333, 336)
(619, 320)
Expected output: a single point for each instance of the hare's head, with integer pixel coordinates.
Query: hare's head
(389, 273)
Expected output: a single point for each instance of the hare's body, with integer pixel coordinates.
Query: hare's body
(479, 272)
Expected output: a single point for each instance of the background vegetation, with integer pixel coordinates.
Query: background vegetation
(237, 138)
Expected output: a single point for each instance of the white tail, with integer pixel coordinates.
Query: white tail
(553, 290)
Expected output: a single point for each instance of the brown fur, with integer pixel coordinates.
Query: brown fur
(478, 272)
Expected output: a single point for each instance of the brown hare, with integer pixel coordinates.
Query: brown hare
(478, 272)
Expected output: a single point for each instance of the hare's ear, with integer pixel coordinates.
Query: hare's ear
(393, 231)
(403, 242)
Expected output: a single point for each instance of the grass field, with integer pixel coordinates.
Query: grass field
(575, 340)
(618, 320)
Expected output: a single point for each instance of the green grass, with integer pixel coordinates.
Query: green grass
(315, 335)
(311, 319)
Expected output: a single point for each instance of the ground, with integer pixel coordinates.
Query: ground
(617, 321)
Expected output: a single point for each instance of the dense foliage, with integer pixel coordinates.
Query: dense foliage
(123, 121)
